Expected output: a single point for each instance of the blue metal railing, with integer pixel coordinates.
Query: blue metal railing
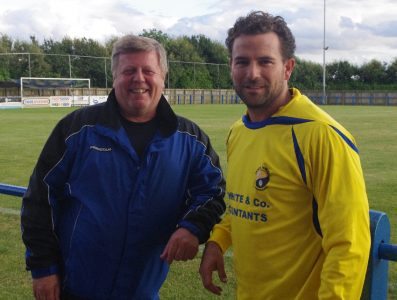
(376, 281)
(12, 190)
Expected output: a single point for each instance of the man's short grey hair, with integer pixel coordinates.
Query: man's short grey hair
(133, 43)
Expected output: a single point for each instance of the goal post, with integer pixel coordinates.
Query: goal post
(41, 90)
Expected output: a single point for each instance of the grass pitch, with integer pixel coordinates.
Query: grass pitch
(24, 131)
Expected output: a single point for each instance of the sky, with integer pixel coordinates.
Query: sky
(356, 31)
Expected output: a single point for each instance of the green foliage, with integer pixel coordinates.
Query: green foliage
(4, 73)
(88, 60)
(342, 75)
(213, 52)
(194, 62)
(56, 55)
(392, 73)
(182, 56)
(307, 75)
(216, 57)
(373, 72)
(158, 35)
(5, 47)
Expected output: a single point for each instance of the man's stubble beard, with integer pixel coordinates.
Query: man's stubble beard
(261, 101)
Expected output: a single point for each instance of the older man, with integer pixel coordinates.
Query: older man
(121, 189)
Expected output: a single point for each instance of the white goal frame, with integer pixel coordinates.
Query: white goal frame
(55, 79)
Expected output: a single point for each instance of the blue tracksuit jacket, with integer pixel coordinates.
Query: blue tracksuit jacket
(100, 217)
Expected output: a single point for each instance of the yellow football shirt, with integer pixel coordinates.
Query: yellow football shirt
(297, 210)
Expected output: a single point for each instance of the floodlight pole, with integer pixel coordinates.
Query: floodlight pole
(106, 75)
(168, 77)
(218, 74)
(324, 49)
(30, 68)
(70, 67)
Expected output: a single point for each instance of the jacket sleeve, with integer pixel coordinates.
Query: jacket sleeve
(206, 189)
(37, 215)
(343, 213)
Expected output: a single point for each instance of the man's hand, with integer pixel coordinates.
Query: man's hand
(47, 288)
(182, 245)
(212, 260)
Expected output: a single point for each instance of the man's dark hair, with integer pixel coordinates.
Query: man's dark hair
(258, 22)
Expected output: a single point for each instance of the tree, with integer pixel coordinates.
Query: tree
(5, 47)
(216, 57)
(109, 47)
(183, 71)
(29, 62)
(38, 65)
(57, 56)
(194, 62)
(373, 73)
(391, 73)
(306, 75)
(88, 61)
(210, 51)
(342, 75)
(158, 35)
(83, 58)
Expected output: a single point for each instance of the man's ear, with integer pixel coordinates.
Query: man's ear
(289, 67)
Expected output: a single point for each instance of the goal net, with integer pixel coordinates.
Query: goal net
(55, 92)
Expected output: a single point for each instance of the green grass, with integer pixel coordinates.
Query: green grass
(23, 133)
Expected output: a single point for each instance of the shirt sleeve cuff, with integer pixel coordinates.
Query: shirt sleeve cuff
(43, 272)
(222, 238)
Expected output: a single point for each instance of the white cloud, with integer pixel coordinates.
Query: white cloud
(356, 30)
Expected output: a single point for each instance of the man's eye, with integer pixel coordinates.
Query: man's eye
(128, 72)
(149, 72)
(240, 62)
(266, 62)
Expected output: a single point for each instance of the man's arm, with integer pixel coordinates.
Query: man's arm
(205, 205)
(47, 288)
(205, 188)
(182, 245)
(37, 213)
(211, 261)
(339, 188)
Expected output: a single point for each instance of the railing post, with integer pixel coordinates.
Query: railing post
(376, 280)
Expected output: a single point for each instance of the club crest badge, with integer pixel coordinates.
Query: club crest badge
(262, 178)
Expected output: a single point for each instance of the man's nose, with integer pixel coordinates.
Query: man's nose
(138, 75)
(253, 71)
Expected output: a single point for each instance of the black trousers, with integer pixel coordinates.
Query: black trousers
(67, 296)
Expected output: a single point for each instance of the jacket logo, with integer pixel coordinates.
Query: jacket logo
(262, 177)
(101, 149)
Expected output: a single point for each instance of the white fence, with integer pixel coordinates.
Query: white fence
(198, 96)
